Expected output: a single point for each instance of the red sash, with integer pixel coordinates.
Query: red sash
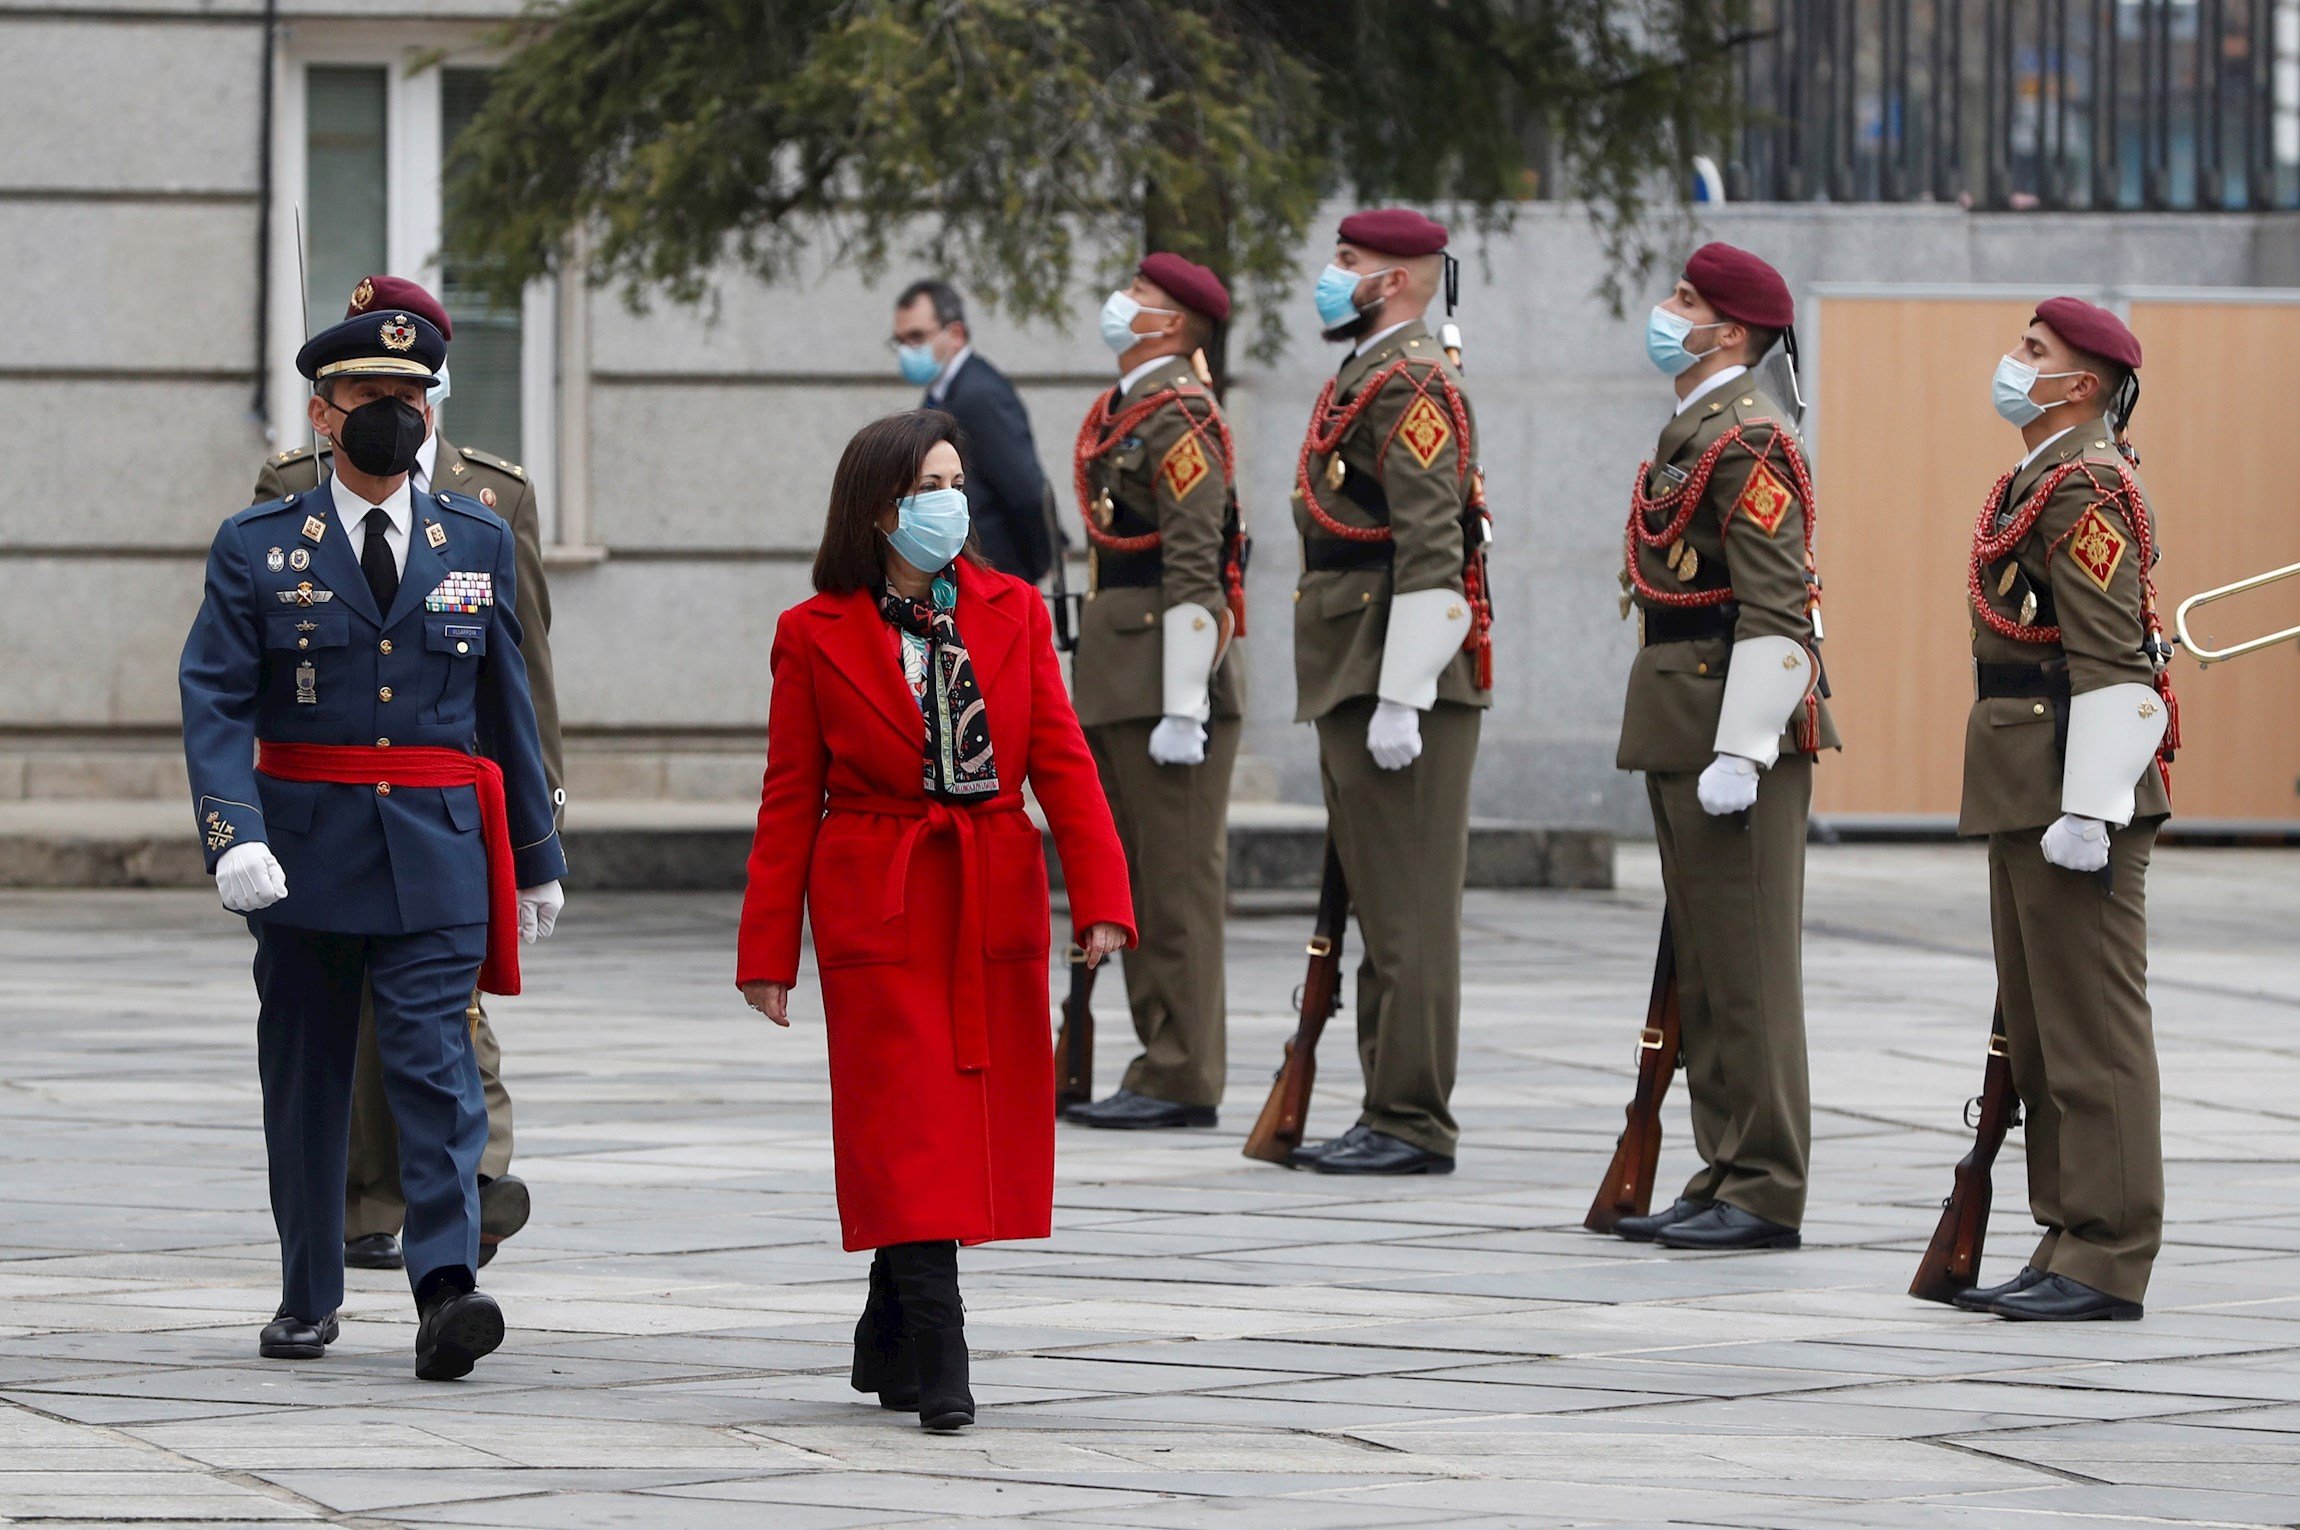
(362, 764)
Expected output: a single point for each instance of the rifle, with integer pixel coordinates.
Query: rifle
(1064, 606)
(1952, 1260)
(1074, 1043)
(1627, 1189)
(1278, 1130)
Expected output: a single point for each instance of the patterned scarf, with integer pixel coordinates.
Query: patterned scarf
(958, 762)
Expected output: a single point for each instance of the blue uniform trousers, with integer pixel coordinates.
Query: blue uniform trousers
(307, 1035)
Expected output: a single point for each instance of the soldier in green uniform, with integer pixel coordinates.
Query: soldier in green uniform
(2063, 774)
(1159, 681)
(373, 1206)
(1391, 663)
(1724, 716)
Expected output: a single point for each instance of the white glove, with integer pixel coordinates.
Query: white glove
(539, 911)
(1178, 741)
(248, 878)
(1394, 736)
(2076, 844)
(1729, 785)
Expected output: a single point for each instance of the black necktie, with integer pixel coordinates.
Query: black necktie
(375, 561)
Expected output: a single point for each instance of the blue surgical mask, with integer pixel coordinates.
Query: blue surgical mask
(2009, 390)
(436, 394)
(1118, 313)
(1665, 335)
(1337, 293)
(918, 363)
(930, 528)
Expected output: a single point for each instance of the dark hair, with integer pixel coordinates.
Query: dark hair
(1760, 341)
(879, 466)
(949, 308)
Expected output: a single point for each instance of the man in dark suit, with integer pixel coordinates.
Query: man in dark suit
(1005, 490)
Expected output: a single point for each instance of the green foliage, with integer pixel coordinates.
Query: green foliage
(1025, 145)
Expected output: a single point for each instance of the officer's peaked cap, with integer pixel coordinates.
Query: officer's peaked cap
(383, 342)
(1740, 286)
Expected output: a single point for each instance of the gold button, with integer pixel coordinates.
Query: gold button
(1149, 619)
(384, 694)
(1297, 597)
(2038, 709)
(1367, 598)
(384, 646)
(463, 648)
(1746, 399)
(383, 743)
(383, 788)
(1701, 669)
(303, 642)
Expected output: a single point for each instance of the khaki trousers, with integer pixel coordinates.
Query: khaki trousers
(1737, 907)
(1403, 836)
(2072, 973)
(372, 1202)
(1174, 822)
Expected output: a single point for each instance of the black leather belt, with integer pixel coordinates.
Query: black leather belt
(1119, 571)
(2047, 683)
(1683, 624)
(1330, 554)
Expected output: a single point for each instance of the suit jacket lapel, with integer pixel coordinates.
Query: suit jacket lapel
(860, 649)
(424, 569)
(332, 565)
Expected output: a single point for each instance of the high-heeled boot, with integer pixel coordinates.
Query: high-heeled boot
(884, 1362)
(934, 1320)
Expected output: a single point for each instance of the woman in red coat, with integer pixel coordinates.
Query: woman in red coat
(914, 694)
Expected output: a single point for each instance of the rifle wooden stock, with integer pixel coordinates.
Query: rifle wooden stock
(1074, 1043)
(1278, 1130)
(1627, 1189)
(1952, 1261)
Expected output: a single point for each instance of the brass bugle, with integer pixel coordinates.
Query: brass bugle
(2204, 655)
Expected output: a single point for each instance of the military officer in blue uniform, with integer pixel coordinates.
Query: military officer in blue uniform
(355, 646)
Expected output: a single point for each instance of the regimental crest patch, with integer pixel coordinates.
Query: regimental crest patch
(1424, 430)
(2096, 546)
(1184, 466)
(1765, 499)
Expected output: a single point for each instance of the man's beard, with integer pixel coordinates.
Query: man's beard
(1353, 327)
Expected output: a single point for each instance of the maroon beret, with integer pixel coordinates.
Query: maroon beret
(1394, 231)
(1740, 286)
(1190, 284)
(2091, 329)
(375, 292)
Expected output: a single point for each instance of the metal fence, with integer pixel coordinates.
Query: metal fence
(2022, 103)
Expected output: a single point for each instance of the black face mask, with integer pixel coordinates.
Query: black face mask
(381, 437)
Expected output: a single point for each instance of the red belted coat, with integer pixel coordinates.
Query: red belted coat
(931, 920)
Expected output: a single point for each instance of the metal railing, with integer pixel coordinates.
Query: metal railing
(2152, 104)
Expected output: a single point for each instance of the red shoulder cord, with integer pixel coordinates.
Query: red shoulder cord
(1680, 503)
(2123, 499)
(1101, 431)
(1328, 425)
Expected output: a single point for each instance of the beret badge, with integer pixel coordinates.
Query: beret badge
(362, 295)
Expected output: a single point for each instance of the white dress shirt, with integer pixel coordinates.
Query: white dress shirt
(426, 463)
(941, 388)
(351, 513)
(1708, 385)
(1127, 382)
(1377, 337)
(2038, 451)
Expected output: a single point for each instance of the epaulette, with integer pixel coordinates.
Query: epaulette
(463, 504)
(489, 459)
(294, 454)
(257, 512)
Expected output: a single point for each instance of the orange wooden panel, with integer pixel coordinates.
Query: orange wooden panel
(1907, 448)
(2217, 447)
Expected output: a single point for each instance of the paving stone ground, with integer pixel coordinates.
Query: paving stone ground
(1206, 1341)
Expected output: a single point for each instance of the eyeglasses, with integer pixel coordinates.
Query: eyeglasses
(901, 338)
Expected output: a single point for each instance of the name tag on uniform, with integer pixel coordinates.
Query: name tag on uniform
(467, 593)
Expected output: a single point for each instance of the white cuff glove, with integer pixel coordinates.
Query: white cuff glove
(2076, 844)
(249, 878)
(1394, 736)
(539, 911)
(1178, 741)
(1729, 785)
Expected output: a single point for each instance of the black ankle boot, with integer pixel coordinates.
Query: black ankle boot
(883, 1359)
(925, 1277)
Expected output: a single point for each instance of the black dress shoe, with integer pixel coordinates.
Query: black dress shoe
(1982, 1298)
(458, 1328)
(504, 1207)
(1307, 1155)
(1642, 1229)
(291, 1338)
(1127, 1111)
(376, 1251)
(1726, 1227)
(1381, 1153)
(2058, 1299)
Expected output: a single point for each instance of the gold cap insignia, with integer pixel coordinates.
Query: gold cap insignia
(362, 295)
(397, 334)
